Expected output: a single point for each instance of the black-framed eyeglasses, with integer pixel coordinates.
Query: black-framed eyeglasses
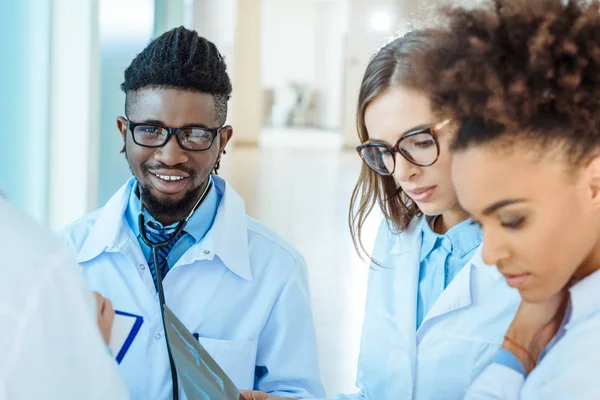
(190, 138)
(419, 147)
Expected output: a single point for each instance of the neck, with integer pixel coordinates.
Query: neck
(590, 265)
(167, 220)
(449, 219)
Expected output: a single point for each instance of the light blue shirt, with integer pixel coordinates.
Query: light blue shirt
(508, 359)
(242, 290)
(442, 258)
(458, 337)
(569, 365)
(197, 226)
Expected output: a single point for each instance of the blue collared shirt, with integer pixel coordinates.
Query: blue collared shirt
(442, 257)
(195, 230)
(509, 360)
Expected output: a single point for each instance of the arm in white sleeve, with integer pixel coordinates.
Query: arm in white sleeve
(355, 396)
(287, 349)
(497, 382)
(51, 346)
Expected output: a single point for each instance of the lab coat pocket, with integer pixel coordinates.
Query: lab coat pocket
(237, 358)
(448, 364)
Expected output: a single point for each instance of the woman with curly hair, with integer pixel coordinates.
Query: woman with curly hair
(522, 80)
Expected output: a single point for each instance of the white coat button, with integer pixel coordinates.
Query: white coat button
(142, 267)
(158, 336)
(207, 252)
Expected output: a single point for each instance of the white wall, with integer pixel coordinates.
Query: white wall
(288, 42)
(168, 14)
(363, 40)
(25, 27)
(73, 103)
(330, 30)
(215, 20)
(302, 42)
(125, 29)
(247, 95)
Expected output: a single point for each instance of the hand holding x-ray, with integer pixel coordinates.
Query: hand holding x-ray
(256, 395)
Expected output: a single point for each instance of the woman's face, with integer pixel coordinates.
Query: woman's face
(540, 222)
(391, 115)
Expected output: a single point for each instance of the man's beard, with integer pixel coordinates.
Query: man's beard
(157, 207)
(161, 207)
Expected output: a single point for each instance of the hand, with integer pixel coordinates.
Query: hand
(105, 314)
(534, 326)
(256, 395)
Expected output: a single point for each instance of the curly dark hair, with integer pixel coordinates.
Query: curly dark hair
(391, 66)
(520, 69)
(181, 59)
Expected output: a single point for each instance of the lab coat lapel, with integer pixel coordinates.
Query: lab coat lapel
(456, 296)
(459, 294)
(110, 232)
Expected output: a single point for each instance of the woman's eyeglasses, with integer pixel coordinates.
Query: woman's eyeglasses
(419, 147)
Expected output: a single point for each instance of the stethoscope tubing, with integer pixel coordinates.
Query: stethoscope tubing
(154, 246)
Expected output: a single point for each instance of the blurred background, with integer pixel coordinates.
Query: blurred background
(296, 67)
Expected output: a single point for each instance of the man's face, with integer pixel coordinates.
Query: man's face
(171, 178)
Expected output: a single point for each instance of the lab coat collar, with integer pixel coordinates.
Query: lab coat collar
(459, 293)
(227, 239)
(429, 238)
(109, 232)
(408, 240)
(462, 238)
(585, 299)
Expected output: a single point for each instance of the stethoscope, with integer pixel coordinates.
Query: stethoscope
(154, 246)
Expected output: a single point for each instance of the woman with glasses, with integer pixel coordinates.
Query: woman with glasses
(522, 80)
(433, 321)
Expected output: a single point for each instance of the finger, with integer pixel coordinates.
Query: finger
(109, 312)
(107, 307)
(99, 302)
(246, 394)
(255, 395)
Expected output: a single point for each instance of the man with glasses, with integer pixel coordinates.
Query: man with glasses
(236, 285)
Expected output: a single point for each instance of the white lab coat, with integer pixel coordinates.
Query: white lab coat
(50, 345)
(458, 338)
(570, 367)
(242, 289)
